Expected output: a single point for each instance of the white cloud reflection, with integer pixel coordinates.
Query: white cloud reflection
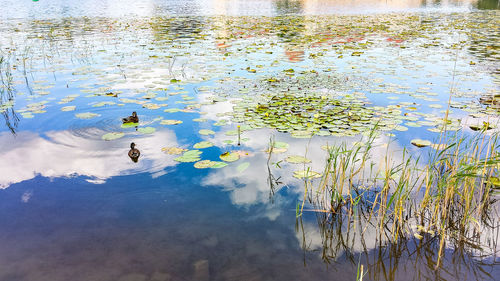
(66, 154)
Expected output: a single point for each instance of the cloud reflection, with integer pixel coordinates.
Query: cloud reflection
(65, 154)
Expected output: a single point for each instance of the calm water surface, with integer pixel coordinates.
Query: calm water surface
(74, 206)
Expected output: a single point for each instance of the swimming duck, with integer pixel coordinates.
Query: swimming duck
(134, 153)
(131, 119)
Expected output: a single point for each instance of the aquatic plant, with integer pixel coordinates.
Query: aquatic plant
(450, 199)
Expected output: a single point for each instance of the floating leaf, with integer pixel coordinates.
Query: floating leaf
(435, 106)
(307, 174)
(420, 143)
(27, 115)
(218, 165)
(129, 125)
(189, 156)
(146, 130)
(206, 132)
(112, 136)
(103, 103)
(173, 150)
(87, 115)
(203, 144)
(68, 108)
(200, 120)
(296, 159)
(203, 164)
(280, 144)
(151, 106)
(172, 110)
(170, 122)
(229, 156)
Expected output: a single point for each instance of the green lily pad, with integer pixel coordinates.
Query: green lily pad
(306, 174)
(112, 136)
(203, 164)
(297, 159)
(302, 134)
(146, 130)
(103, 103)
(129, 125)
(151, 106)
(200, 120)
(27, 115)
(173, 150)
(435, 106)
(170, 122)
(189, 156)
(280, 144)
(68, 108)
(203, 144)
(206, 132)
(86, 115)
(218, 164)
(229, 156)
(187, 159)
(420, 143)
(172, 110)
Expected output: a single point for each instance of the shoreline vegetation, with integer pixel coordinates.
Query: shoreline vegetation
(450, 202)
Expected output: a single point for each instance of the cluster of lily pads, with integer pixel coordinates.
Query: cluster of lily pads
(321, 91)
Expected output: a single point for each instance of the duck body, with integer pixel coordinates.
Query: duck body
(131, 119)
(134, 153)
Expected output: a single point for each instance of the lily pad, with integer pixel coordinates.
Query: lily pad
(86, 115)
(103, 103)
(68, 108)
(151, 106)
(297, 159)
(229, 156)
(306, 174)
(146, 130)
(280, 144)
(170, 122)
(189, 156)
(206, 132)
(420, 143)
(218, 164)
(112, 136)
(172, 110)
(173, 150)
(203, 144)
(129, 125)
(203, 164)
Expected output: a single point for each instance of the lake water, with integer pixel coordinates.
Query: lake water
(218, 81)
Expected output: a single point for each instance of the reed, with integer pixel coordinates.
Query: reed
(449, 197)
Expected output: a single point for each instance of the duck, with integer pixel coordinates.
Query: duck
(134, 153)
(131, 119)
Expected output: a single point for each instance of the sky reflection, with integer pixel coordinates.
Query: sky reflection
(64, 154)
